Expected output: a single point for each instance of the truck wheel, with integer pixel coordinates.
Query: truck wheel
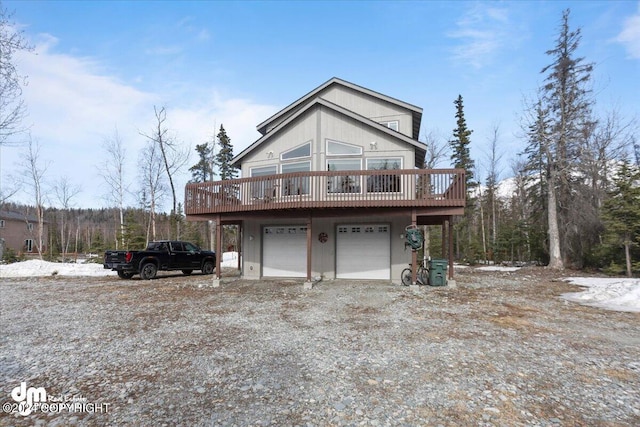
(187, 272)
(208, 267)
(124, 275)
(148, 271)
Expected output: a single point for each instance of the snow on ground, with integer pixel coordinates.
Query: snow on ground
(611, 293)
(618, 294)
(38, 268)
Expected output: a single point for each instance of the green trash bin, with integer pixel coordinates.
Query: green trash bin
(438, 272)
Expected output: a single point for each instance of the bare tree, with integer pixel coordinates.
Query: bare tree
(34, 175)
(153, 186)
(113, 173)
(12, 107)
(436, 150)
(173, 158)
(493, 176)
(64, 192)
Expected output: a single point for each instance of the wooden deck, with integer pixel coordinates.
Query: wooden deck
(419, 188)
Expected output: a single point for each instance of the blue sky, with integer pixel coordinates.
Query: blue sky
(101, 65)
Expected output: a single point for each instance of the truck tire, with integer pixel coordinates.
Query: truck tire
(208, 267)
(124, 274)
(148, 271)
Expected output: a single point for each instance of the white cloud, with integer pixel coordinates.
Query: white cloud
(630, 36)
(74, 104)
(483, 31)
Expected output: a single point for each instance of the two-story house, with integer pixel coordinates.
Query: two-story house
(18, 232)
(330, 187)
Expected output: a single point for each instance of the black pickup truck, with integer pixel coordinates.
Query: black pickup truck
(160, 255)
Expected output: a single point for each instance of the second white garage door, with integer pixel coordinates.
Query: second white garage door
(284, 251)
(363, 251)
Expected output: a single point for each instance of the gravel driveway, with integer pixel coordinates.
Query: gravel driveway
(501, 349)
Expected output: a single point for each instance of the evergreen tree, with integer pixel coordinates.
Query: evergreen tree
(461, 156)
(467, 248)
(224, 156)
(203, 170)
(621, 211)
(562, 121)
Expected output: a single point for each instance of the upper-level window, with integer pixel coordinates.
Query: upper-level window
(335, 148)
(393, 124)
(30, 226)
(302, 151)
(1, 223)
(298, 185)
(384, 183)
(264, 189)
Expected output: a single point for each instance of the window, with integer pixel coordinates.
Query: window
(393, 125)
(296, 185)
(298, 152)
(1, 223)
(335, 148)
(28, 245)
(30, 226)
(344, 183)
(384, 183)
(264, 189)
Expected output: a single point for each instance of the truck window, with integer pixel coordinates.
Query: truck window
(177, 247)
(190, 247)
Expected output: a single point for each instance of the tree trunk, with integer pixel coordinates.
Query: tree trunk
(555, 255)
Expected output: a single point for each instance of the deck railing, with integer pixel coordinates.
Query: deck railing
(331, 189)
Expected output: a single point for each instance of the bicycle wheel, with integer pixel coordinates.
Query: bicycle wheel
(406, 277)
(423, 276)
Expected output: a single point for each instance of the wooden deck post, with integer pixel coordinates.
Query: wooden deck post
(414, 253)
(450, 247)
(219, 252)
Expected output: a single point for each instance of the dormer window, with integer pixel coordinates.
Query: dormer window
(300, 152)
(393, 125)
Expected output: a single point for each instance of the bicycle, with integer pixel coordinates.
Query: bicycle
(422, 276)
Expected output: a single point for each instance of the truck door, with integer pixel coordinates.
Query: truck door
(194, 257)
(178, 256)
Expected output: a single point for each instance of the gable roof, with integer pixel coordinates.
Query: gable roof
(415, 111)
(420, 148)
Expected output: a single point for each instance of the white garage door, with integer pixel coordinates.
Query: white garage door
(284, 251)
(363, 251)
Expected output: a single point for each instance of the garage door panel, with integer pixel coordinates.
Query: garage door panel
(284, 251)
(363, 251)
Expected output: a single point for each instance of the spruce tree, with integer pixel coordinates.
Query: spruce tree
(461, 156)
(466, 248)
(621, 211)
(224, 156)
(203, 170)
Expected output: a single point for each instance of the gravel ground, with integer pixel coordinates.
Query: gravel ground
(500, 349)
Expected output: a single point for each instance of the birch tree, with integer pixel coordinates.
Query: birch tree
(113, 173)
(34, 172)
(172, 156)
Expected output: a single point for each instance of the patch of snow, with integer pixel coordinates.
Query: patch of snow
(38, 268)
(619, 294)
(498, 268)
